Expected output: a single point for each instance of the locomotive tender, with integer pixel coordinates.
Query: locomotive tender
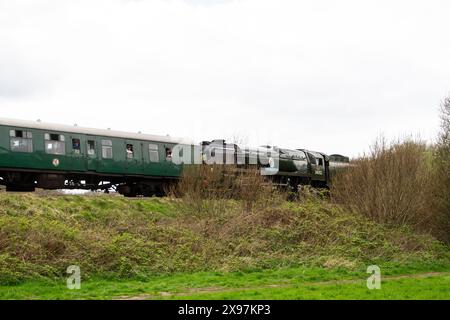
(52, 156)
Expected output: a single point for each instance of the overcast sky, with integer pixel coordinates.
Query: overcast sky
(321, 74)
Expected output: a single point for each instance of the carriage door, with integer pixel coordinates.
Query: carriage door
(77, 152)
(92, 153)
(134, 157)
(170, 169)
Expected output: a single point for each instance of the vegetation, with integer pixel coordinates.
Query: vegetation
(432, 287)
(399, 282)
(402, 183)
(114, 238)
(392, 185)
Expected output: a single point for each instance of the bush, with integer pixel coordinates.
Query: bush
(391, 185)
(207, 189)
(403, 183)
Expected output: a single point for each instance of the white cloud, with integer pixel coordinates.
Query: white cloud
(326, 75)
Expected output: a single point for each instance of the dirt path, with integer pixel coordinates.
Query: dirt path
(191, 291)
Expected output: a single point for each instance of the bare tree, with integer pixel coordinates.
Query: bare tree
(442, 166)
(444, 136)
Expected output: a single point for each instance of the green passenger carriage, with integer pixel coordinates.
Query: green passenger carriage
(51, 156)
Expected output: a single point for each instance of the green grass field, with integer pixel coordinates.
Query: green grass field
(293, 283)
(168, 249)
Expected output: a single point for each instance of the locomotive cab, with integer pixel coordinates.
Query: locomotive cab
(318, 167)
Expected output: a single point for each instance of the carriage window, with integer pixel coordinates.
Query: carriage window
(91, 147)
(168, 154)
(320, 162)
(76, 146)
(154, 155)
(21, 141)
(107, 151)
(54, 144)
(130, 151)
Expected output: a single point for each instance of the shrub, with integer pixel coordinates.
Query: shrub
(391, 185)
(207, 189)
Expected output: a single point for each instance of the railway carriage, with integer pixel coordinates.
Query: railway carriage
(38, 155)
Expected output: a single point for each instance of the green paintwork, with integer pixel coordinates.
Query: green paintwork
(82, 162)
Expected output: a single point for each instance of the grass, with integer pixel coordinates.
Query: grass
(430, 287)
(143, 247)
(398, 282)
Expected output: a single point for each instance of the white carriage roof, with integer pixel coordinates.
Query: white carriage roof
(90, 131)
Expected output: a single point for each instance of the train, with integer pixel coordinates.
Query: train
(34, 154)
